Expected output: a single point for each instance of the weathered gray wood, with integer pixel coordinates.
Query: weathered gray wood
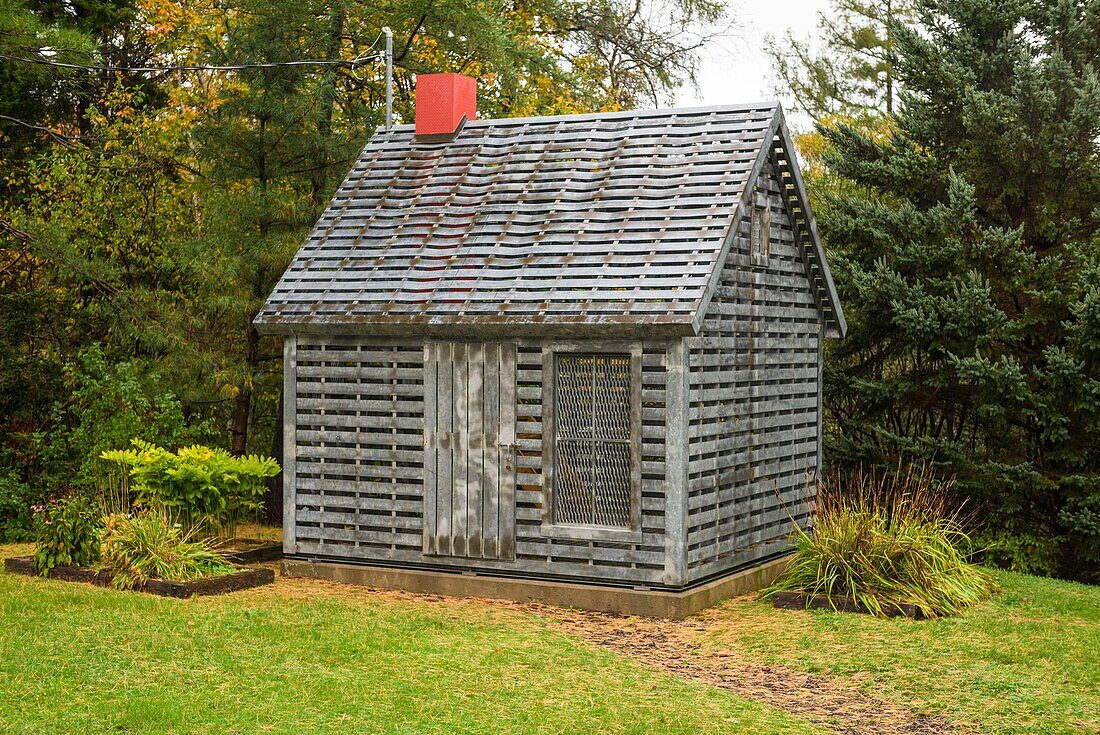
(835, 318)
(445, 409)
(431, 440)
(755, 395)
(656, 325)
(742, 209)
(818, 461)
(568, 563)
(636, 437)
(548, 416)
(308, 495)
(551, 526)
(506, 498)
(352, 506)
(475, 456)
(290, 442)
(479, 402)
(490, 497)
(676, 500)
(460, 461)
(564, 225)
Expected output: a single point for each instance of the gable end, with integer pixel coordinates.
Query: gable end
(780, 153)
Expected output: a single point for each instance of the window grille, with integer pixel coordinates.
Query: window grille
(593, 440)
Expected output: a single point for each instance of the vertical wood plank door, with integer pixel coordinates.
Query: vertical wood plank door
(470, 449)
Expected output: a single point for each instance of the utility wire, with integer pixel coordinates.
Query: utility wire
(188, 67)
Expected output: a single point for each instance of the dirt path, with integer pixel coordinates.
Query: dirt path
(672, 647)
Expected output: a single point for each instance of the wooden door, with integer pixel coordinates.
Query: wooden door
(469, 449)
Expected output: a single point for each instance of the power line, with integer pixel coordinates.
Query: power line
(358, 61)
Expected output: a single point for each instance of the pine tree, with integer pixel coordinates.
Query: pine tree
(967, 247)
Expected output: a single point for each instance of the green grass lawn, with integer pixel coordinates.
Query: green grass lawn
(1028, 661)
(303, 657)
(307, 657)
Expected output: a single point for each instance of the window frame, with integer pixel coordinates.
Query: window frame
(760, 213)
(590, 532)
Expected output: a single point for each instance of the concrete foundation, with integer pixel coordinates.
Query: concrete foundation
(602, 598)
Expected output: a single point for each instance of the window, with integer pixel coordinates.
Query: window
(760, 231)
(595, 451)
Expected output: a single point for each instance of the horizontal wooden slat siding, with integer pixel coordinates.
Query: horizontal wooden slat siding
(359, 446)
(753, 402)
(360, 480)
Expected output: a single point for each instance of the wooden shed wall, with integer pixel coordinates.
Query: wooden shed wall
(355, 457)
(754, 422)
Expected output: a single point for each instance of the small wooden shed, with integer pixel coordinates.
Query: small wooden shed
(583, 348)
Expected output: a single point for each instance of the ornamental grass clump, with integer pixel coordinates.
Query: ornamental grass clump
(139, 548)
(886, 540)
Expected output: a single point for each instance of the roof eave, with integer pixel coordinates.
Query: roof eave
(838, 328)
(835, 324)
(731, 234)
(658, 327)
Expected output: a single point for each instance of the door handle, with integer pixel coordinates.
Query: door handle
(509, 452)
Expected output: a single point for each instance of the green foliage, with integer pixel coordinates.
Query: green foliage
(29, 91)
(16, 498)
(1018, 552)
(966, 246)
(200, 487)
(108, 405)
(138, 548)
(66, 533)
(883, 541)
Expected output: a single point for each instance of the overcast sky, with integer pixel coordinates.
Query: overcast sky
(734, 68)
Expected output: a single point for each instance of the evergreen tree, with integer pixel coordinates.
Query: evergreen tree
(967, 248)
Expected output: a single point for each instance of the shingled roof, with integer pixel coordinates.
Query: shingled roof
(611, 223)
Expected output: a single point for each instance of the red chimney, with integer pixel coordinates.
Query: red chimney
(442, 100)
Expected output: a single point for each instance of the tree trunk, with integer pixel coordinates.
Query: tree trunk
(273, 496)
(242, 404)
(238, 428)
(328, 105)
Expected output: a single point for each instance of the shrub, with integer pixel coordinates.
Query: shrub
(67, 533)
(202, 488)
(16, 498)
(149, 546)
(109, 404)
(1018, 552)
(885, 540)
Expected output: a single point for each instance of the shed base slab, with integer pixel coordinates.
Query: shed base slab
(672, 605)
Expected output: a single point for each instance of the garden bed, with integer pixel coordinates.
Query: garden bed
(252, 551)
(788, 600)
(244, 578)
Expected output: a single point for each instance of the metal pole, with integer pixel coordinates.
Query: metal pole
(389, 76)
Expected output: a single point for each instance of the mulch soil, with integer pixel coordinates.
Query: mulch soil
(673, 646)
